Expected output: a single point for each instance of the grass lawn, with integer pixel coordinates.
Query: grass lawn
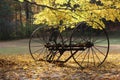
(14, 47)
(21, 46)
(114, 40)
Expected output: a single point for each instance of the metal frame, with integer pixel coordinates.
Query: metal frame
(53, 46)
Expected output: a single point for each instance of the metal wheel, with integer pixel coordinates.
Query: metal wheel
(94, 45)
(37, 42)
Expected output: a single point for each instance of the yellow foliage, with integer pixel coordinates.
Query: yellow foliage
(21, 0)
(118, 4)
(77, 11)
(60, 1)
(96, 24)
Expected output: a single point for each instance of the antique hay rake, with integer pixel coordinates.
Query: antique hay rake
(87, 46)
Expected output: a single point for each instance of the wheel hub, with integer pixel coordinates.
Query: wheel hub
(89, 44)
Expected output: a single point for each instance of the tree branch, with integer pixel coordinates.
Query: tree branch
(68, 6)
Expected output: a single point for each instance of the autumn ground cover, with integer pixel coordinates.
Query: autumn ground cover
(17, 64)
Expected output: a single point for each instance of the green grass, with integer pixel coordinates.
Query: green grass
(21, 46)
(14, 47)
(114, 40)
(13, 50)
(114, 37)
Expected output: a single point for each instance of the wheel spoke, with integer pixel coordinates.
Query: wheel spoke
(99, 51)
(99, 41)
(38, 46)
(41, 53)
(79, 54)
(96, 56)
(36, 51)
(101, 46)
(93, 56)
(88, 57)
(85, 56)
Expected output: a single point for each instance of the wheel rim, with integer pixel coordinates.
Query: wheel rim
(37, 45)
(96, 43)
(37, 42)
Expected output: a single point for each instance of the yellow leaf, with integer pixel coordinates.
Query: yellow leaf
(21, 0)
(25, 67)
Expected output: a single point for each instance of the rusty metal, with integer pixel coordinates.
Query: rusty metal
(53, 41)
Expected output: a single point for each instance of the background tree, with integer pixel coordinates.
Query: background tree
(16, 19)
(70, 12)
(5, 19)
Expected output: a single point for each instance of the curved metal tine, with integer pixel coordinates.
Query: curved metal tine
(49, 56)
(79, 55)
(72, 54)
(53, 54)
(47, 52)
(59, 56)
(57, 52)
